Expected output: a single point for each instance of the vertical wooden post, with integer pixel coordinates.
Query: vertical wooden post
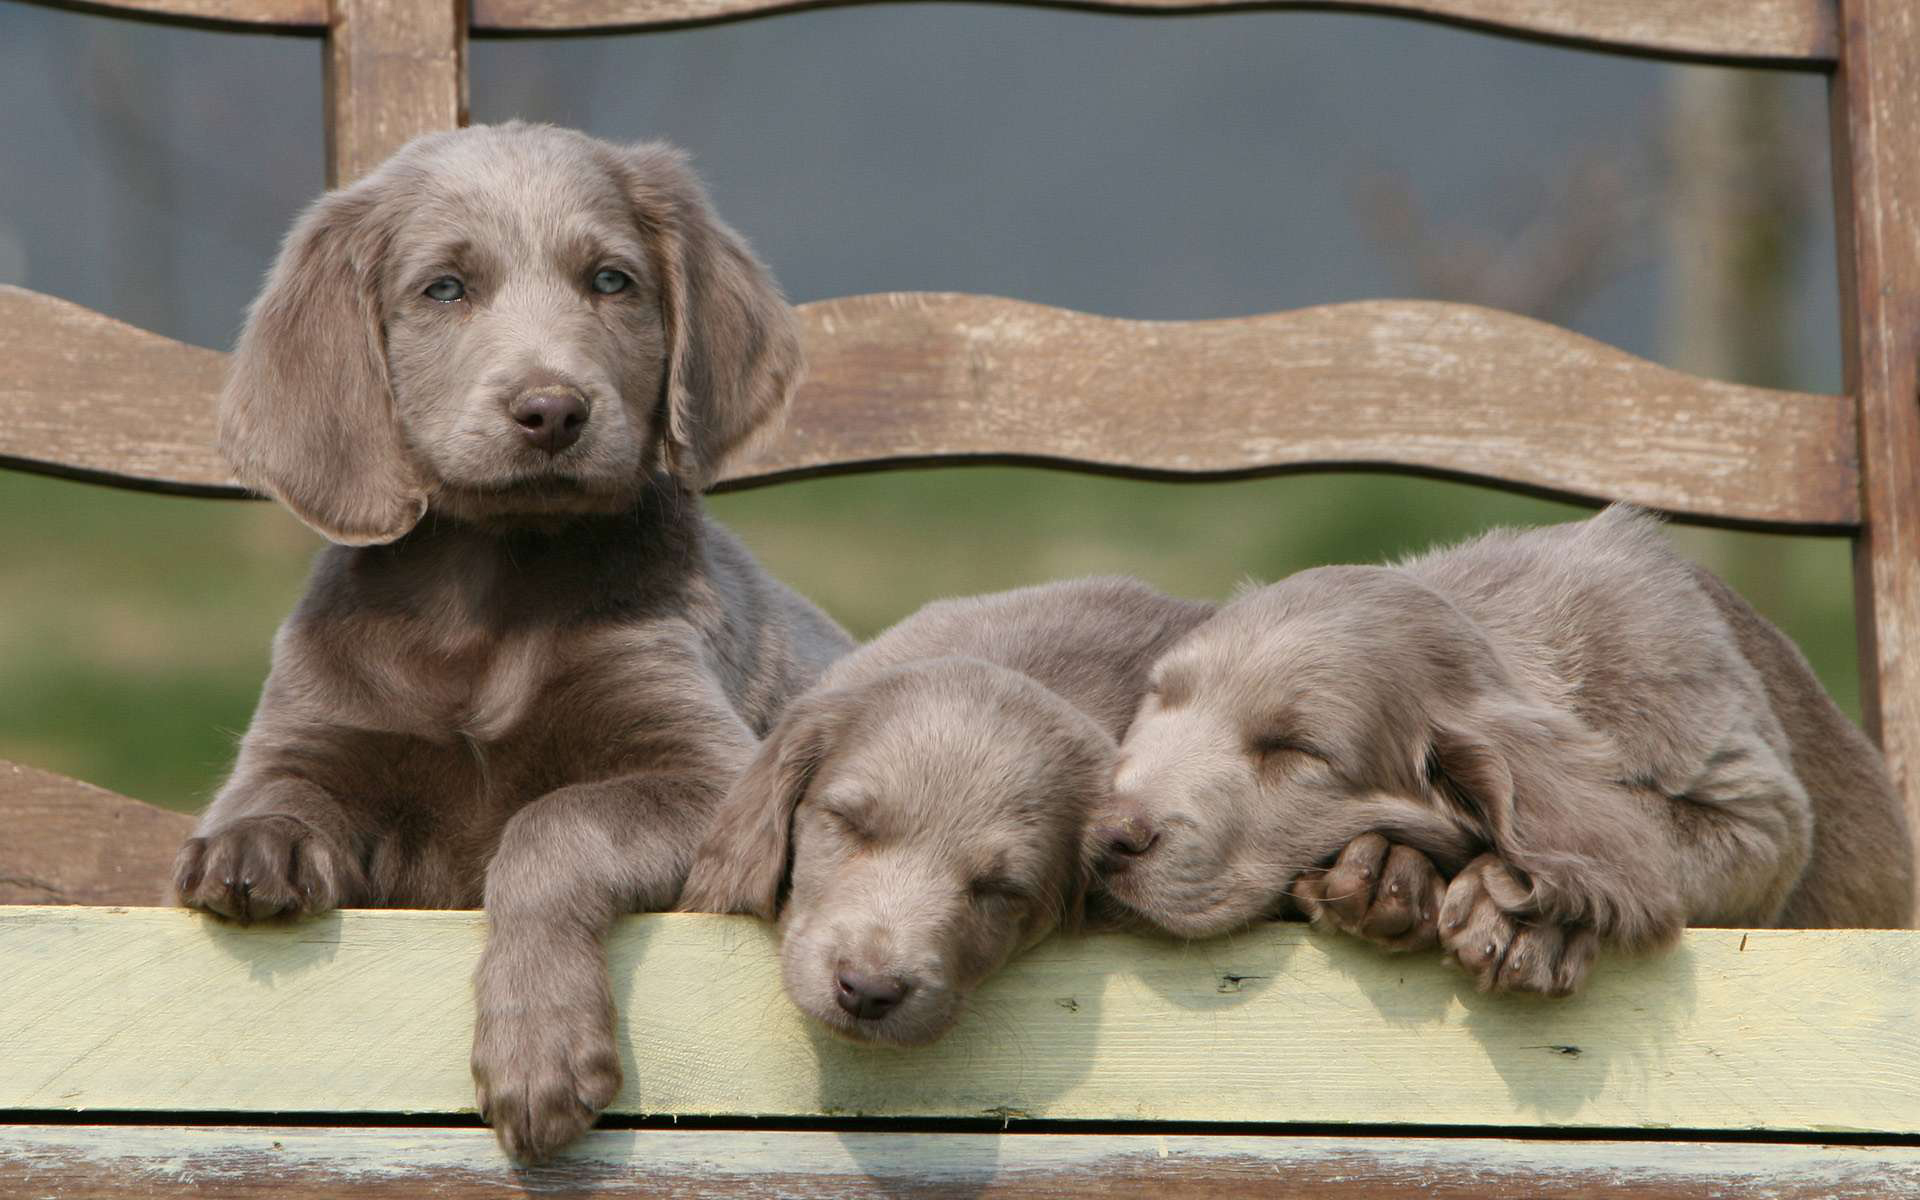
(1875, 106)
(395, 69)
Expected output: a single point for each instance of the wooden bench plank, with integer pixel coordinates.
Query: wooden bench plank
(1799, 32)
(85, 395)
(161, 1010)
(922, 377)
(288, 16)
(69, 842)
(116, 1161)
(1783, 32)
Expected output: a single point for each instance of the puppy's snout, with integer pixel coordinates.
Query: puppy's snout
(551, 416)
(1121, 840)
(868, 997)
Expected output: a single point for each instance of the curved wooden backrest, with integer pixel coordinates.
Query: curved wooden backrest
(919, 378)
(1791, 33)
(1437, 388)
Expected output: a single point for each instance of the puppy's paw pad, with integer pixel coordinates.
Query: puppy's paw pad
(541, 1080)
(260, 867)
(1385, 893)
(1487, 928)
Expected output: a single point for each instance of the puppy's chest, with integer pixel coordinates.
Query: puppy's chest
(479, 686)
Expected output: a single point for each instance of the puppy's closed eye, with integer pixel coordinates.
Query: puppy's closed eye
(851, 822)
(997, 889)
(1285, 752)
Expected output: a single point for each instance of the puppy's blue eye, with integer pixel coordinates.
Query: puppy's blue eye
(609, 281)
(446, 289)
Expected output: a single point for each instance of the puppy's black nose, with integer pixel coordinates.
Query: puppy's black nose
(551, 417)
(868, 997)
(1123, 840)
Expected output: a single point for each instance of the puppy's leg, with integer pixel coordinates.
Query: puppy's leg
(1384, 892)
(545, 1061)
(270, 847)
(1627, 868)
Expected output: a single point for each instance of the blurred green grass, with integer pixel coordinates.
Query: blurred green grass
(135, 629)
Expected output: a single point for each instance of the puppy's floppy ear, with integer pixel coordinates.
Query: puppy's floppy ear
(743, 861)
(307, 414)
(1468, 771)
(733, 347)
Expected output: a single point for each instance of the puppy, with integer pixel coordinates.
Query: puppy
(917, 819)
(1598, 741)
(497, 373)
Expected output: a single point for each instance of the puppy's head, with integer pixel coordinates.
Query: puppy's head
(504, 322)
(1339, 701)
(911, 833)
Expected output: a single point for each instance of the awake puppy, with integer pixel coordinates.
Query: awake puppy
(1601, 739)
(497, 373)
(917, 818)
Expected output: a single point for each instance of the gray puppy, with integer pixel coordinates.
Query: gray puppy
(918, 818)
(1598, 741)
(498, 372)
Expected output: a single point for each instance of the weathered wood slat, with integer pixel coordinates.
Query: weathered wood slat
(1778, 31)
(116, 1161)
(913, 378)
(160, 1010)
(1450, 388)
(67, 842)
(1876, 107)
(395, 69)
(289, 16)
(83, 394)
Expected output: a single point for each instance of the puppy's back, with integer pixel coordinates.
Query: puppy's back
(1860, 875)
(1092, 641)
(1659, 654)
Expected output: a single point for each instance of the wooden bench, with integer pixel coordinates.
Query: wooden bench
(149, 1051)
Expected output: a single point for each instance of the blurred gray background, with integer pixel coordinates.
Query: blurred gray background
(1169, 168)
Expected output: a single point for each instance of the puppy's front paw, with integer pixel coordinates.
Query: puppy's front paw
(542, 1071)
(1386, 893)
(1489, 928)
(264, 866)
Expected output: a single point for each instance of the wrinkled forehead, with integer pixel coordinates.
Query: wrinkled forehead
(521, 199)
(940, 762)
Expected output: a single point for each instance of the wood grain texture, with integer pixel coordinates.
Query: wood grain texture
(82, 394)
(1448, 388)
(267, 1162)
(68, 842)
(395, 69)
(918, 378)
(1776, 31)
(283, 16)
(1876, 108)
(1784, 32)
(162, 1010)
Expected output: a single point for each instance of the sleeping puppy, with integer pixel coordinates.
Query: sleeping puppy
(497, 373)
(918, 818)
(1598, 741)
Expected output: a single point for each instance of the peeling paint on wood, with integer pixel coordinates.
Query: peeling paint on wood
(121, 1161)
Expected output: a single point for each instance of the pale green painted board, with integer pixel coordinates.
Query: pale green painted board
(158, 1009)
